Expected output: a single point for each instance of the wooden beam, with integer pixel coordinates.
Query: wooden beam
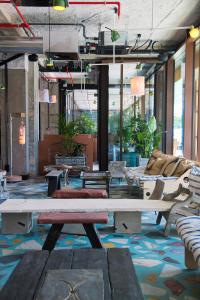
(189, 83)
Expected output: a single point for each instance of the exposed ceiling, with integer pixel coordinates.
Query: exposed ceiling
(150, 18)
(137, 16)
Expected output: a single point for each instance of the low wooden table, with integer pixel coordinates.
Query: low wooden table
(53, 178)
(120, 280)
(96, 178)
(64, 168)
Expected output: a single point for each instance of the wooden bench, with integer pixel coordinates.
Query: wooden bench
(119, 277)
(53, 178)
(127, 206)
(88, 220)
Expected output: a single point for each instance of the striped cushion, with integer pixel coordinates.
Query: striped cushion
(189, 230)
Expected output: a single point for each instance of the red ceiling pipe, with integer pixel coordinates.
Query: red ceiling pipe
(22, 25)
(11, 25)
(100, 2)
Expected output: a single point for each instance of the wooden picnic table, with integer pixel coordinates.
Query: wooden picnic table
(119, 277)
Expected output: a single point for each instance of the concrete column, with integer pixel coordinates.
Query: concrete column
(33, 116)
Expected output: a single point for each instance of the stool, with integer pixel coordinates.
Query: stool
(67, 193)
(88, 220)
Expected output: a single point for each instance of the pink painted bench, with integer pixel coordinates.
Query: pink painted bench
(67, 193)
(88, 220)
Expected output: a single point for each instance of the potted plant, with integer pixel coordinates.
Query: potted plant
(146, 136)
(74, 150)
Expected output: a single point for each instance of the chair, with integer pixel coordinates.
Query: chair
(117, 169)
(186, 201)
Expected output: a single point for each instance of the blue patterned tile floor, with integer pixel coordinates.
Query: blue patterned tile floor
(159, 261)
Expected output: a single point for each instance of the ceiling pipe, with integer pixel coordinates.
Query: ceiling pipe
(68, 24)
(24, 23)
(117, 3)
(43, 3)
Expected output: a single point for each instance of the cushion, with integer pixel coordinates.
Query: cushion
(80, 193)
(73, 218)
(157, 166)
(170, 167)
(13, 178)
(183, 166)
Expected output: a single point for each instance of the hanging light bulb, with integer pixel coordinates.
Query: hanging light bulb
(194, 32)
(22, 133)
(60, 4)
(137, 85)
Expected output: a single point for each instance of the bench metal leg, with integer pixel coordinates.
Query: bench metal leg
(52, 237)
(93, 235)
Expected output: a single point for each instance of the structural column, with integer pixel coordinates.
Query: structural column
(188, 122)
(103, 110)
(169, 105)
(33, 116)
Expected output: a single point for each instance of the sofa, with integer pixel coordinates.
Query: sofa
(172, 169)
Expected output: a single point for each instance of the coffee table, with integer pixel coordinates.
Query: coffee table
(96, 178)
(119, 277)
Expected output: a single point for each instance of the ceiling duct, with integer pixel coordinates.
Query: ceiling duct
(64, 44)
(16, 44)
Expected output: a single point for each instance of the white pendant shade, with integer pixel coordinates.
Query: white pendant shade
(52, 99)
(44, 95)
(137, 85)
(22, 134)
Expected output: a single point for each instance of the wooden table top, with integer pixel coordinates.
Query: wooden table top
(83, 205)
(120, 280)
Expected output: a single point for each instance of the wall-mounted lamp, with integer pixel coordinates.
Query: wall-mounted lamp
(22, 134)
(194, 32)
(60, 4)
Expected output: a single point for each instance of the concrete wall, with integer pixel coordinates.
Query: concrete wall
(23, 87)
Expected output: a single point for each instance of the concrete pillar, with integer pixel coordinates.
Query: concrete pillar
(33, 116)
(23, 97)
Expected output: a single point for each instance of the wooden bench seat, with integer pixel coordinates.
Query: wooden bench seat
(68, 193)
(88, 220)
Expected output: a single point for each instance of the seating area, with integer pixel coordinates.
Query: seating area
(99, 150)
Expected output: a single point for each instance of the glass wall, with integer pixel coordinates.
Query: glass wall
(179, 91)
(196, 100)
(123, 107)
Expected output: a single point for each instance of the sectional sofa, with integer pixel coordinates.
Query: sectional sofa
(172, 169)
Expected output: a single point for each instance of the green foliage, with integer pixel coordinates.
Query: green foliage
(82, 125)
(146, 135)
(85, 125)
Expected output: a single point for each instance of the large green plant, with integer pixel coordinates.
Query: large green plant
(82, 125)
(146, 135)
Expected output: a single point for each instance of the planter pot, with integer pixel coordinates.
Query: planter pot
(70, 160)
(130, 158)
(142, 161)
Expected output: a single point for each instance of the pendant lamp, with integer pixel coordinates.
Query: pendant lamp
(60, 4)
(44, 95)
(22, 133)
(137, 85)
(194, 32)
(52, 99)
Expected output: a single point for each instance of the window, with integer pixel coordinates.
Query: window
(179, 91)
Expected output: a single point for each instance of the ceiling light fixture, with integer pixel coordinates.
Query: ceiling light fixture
(194, 32)
(138, 85)
(60, 4)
